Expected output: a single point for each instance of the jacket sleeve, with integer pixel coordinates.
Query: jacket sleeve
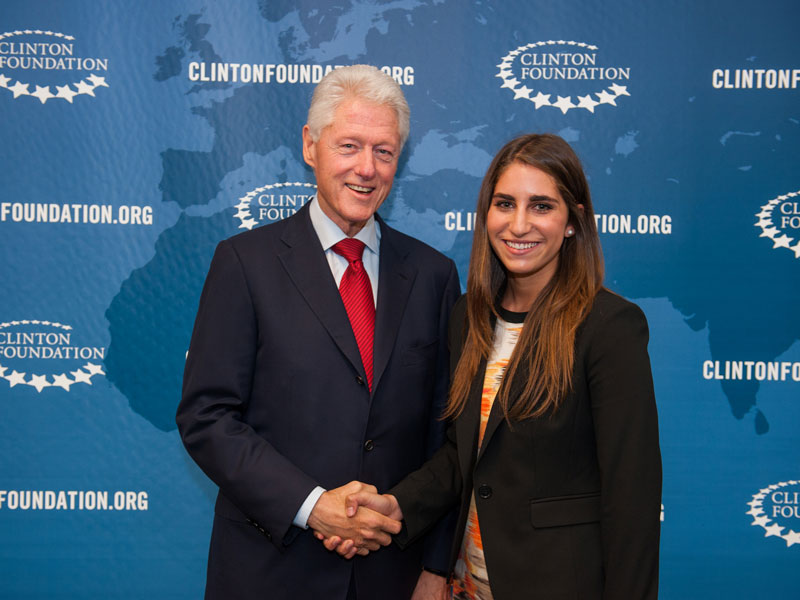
(626, 430)
(266, 487)
(439, 542)
(433, 491)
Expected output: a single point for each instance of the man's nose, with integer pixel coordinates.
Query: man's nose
(365, 167)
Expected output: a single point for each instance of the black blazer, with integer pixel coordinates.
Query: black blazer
(568, 505)
(275, 403)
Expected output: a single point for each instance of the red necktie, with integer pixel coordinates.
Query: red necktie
(356, 294)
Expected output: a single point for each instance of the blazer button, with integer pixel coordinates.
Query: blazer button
(359, 380)
(485, 492)
(369, 445)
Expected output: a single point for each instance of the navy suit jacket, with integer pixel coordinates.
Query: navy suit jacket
(275, 403)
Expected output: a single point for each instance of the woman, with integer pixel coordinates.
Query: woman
(553, 457)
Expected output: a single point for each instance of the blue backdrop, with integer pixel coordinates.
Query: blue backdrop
(136, 135)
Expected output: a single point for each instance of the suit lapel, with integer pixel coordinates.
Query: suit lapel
(395, 280)
(307, 267)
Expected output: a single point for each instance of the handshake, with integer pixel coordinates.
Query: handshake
(355, 519)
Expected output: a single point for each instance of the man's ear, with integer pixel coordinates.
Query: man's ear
(309, 148)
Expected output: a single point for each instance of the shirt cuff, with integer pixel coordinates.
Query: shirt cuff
(301, 518)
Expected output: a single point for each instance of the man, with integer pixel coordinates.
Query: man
(308, 369)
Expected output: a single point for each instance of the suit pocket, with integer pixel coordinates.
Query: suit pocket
(566, 510)
(421, 354)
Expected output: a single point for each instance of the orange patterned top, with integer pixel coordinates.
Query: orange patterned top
(471, 581)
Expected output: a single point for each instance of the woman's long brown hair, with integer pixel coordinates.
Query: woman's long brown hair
(545, 349)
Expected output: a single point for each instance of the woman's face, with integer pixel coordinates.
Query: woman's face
(526, 224)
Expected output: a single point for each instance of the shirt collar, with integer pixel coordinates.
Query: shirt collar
(329, 232)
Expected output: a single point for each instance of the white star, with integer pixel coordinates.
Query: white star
(766, 211)
(560, 42)
(48, 33)
(97, 81)
(769, 232)
(39, 382)
(65, 92)
(43, 93)
(504, 74)
(19, 89)
(762, 521)
(773, 530)
(243, 213)
(37, 31)
(587, 103)
(550, 42)
(620, 90)
(62, 381)
(540, 100)
(510, 83)
(792, 538)
(523, 92)
(4, 81)
(763, 222)
(16, 378)
(94, 369)
(564, 103)
(754, 503)
(248, 224)
(755, 511)
(81, 377)
(3, 371)
(69, 37)
(606, 98)
(782, 242)
(796, 249)
(591, 47)
(84, 88)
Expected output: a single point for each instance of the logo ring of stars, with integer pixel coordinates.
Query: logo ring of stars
(762, 520)
(768, 229)
(564, 103)
(244, 215)
(62, 380)
(43, 93)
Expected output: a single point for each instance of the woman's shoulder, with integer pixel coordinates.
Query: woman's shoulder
(609, 308)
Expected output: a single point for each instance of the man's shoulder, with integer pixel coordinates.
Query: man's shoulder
(257, 237)
(415, 250)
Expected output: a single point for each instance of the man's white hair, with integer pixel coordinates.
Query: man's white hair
(356, 81)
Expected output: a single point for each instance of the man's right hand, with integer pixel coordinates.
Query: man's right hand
(363, 528)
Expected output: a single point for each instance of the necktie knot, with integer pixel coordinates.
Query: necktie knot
(351, 248)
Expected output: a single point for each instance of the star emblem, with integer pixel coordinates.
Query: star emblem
(773, 530)
(619, 90)
(540, 100)
(84, 88)
(792, 538)
(782, 242)
(761, 521)
(81, 377)
(65, 92)
(97, 81)
(510, 83)
(39, 382)
(606, 98)
(19, 89)
(94, 369)
(564, 104)
(43, 93)
(62, 381)
(523, 92)
(4, 81)
(587, 103)
(16, 378)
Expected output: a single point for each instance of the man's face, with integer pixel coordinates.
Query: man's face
(354, 160)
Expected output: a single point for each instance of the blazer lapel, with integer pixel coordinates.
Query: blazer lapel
(468, 423)
(307, 267)
(395, 280)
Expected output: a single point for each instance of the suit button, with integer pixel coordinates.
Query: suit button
(369, 445)
(359, 380)
(485, 492)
